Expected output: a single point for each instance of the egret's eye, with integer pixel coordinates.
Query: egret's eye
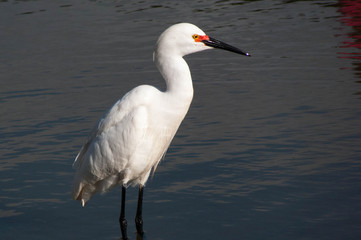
(200, 38)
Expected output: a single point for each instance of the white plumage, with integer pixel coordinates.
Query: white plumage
(133, 135)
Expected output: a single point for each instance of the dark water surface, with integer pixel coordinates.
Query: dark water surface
(270, 149)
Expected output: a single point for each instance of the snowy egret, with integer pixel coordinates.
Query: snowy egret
(131, 138)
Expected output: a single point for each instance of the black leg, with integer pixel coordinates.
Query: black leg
(122, 220)
(138, 217)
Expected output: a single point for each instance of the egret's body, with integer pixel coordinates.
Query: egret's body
(134, 134)
(129, 140)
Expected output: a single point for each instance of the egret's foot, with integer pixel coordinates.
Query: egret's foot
(123, 228)
(139, 225)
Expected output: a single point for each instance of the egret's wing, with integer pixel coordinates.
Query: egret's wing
(113, 116)
(108, 147)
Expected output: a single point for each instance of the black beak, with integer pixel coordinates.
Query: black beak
(218, 44)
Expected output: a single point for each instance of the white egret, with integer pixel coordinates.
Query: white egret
(131, 138)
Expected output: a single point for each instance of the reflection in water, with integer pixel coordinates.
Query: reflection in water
(351, 11)
(140, 237)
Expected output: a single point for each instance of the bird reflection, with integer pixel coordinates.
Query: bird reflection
(139, 237)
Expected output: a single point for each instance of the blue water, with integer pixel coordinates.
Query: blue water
(270, 149)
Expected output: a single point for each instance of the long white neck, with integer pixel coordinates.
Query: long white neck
(177, 76)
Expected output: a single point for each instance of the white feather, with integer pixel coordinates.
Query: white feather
(133, 135)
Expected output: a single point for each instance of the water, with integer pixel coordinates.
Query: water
(270, 149)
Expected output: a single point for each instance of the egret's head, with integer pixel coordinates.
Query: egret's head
(186, 38)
